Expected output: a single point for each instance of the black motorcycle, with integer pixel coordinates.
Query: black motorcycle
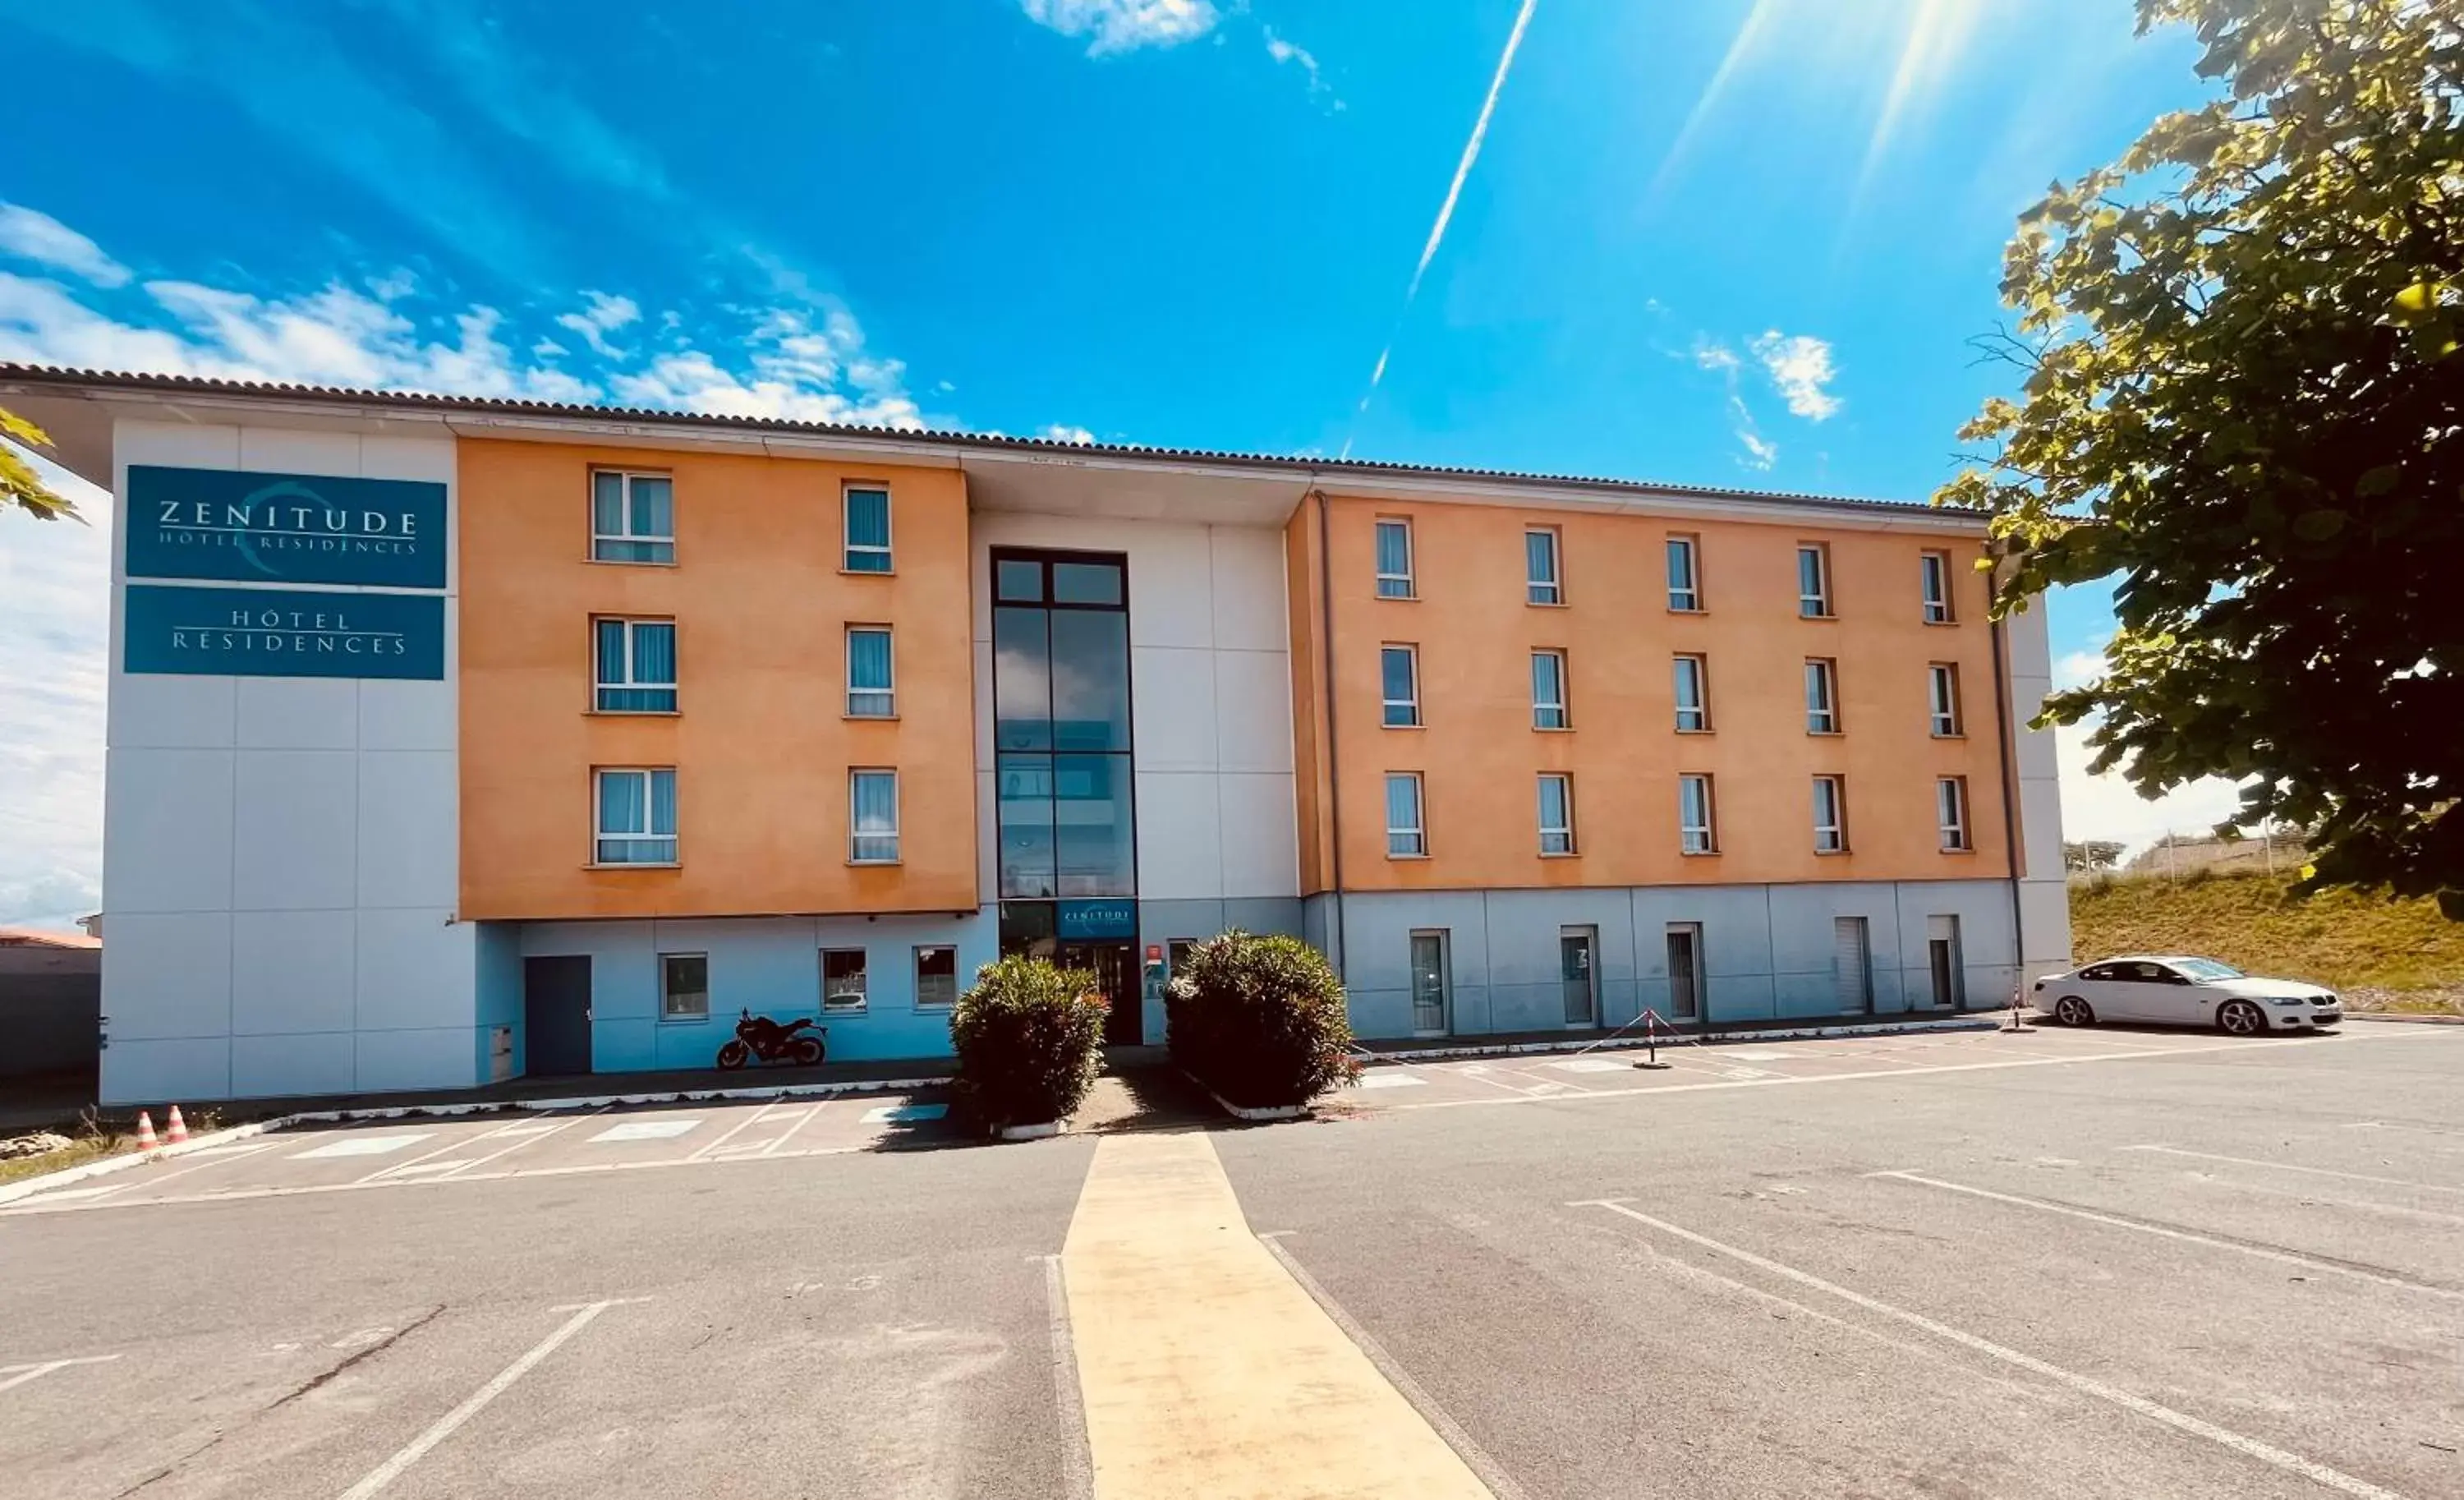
(759, 1036)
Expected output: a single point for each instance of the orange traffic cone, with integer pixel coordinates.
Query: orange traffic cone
(178, 1133)
(145, 1141)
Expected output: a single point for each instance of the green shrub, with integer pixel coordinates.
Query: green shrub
(1260, 1021)
(1029, 1038)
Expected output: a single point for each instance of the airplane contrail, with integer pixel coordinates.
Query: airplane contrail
(1446, 209)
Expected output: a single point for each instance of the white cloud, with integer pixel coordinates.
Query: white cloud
(32, 235)
(1284, 51)
(1124, 25)
(1062, 432)
(56, 577)
(2075, 668)
(603, 316)
(1760, 452)
(1799, 364)
(2108, 806)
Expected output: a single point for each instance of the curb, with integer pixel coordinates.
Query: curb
(1261, 1115)
(2404, 1018)
(26, 1187)
(1577, 1044)
(1045, 1131)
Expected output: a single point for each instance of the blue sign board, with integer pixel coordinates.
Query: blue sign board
(1086, 921)
(287, 633)
(293, 528)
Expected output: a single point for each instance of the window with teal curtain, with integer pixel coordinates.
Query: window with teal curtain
(637, 666)
(871, 694)
(867, 531)
(1540, 566)
(633, 517)
(872, 797)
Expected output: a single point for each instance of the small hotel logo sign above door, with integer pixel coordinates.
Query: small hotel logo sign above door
(259, 632)
(217, 524)
(1091, 921)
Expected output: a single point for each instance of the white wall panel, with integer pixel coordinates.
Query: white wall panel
(1250, 588)
(292, 1063)
(291, 971)
(415, 969)
(165, 1072)
(296, 843)
(1261, 837)
(168, 974)
(408, 855)
(1253, 711)
(438, 1059)
(298, 713)
(275, 449)
(1181, 834)
(166, 843)
(181, 444)
(1172, 706)
(172, 712)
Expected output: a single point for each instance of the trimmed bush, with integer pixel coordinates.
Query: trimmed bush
(1260, 1021)
(1029, 1038)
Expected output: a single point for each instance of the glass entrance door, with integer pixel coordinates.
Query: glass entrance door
(1116, 974)
(1574, 946)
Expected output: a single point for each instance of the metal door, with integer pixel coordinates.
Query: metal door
(555, 1016)
(1429, 984)
(1576, 977)
(1684, 971)
(1851, 963)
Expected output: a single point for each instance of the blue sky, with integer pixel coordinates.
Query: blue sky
(1727, 242)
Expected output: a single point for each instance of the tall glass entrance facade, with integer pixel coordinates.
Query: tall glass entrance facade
(1064, 811)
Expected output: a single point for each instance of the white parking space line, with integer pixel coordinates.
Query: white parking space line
(2086, 1385)
(771, 1148)
(13, 1375)
(528, 1134)
(2187, 1237)
(362, 1146)
(392, 1469)
(656, 1129)
(736, 1129)
(2287, 1166)
(453, 1144)
(1591, 1065)
(219, 1154)
(1389, 1081)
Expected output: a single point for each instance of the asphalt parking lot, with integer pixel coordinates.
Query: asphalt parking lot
(2111, 1263)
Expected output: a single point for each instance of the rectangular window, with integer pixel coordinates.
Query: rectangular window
(1394, 558)
(1542, 585)
(1684, 575)
(636, 816)
(1556, 813)
(636, 665)
(1405, 838)
(1814, 581)
(1429, 984)
(1950, 800)
(937, 976)
(684, 986)
(1830, 816)
(873, 807)
(1548, 690)
(633, 517)
(1695, 833)
(867, 517)
(1821, 696)
(872, 687)
(1399, 675)
(842, 978)
(1942, 699)
(1936, 566)
(1693, 695)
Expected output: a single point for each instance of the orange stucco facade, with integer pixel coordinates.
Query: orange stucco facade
(1480, 756)
(760, 743)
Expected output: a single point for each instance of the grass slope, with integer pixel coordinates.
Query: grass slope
(2400, 954)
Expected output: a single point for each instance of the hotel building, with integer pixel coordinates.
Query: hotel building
(452, 740)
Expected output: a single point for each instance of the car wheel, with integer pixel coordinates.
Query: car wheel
(2241, 1018)
(2072, 1012)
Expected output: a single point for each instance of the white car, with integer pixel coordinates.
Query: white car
(2188, 991)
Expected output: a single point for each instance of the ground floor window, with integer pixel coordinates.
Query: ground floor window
(842, 978)
(684, 986)
(937, 976)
